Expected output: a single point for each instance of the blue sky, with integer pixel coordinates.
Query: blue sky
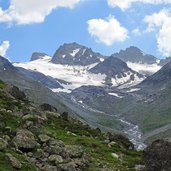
(104, 25)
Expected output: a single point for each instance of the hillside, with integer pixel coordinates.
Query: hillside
(38, 137)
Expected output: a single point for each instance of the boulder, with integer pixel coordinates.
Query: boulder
(3, 144)
(47, 107)
(68, 167)
(55, 142)
(157, 156)
(44, 138)
(49, 168)
(74, 151)
(55, 159)
(24, 140)
(15, 163)
(54, 150)
(16, 93)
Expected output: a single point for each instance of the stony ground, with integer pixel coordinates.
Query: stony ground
(39, 138)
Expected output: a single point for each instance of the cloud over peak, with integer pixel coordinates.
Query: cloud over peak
(107, 31)
(4, 47)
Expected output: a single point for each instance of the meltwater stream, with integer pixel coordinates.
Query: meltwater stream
(131, 130)
(134, 134)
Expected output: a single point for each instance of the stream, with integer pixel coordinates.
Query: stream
(134, 134)
(131, 130)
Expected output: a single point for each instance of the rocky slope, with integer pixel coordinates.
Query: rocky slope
(117, 72)
(75, 54)
(39, 138)
(139, 61)
(37, 55)
(135, 55)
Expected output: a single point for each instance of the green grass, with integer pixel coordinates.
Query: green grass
(2, 84)
(5, 166)
(95, 147)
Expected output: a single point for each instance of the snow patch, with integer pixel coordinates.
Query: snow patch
(74, 52)
(76, 76)
(101, 59)
(63, 56)
(133, 90)
(115, 94)
(144, 68)
(58, 90)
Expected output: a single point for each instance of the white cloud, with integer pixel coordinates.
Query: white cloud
(32, 11)
(4, 47)
(107, 31)
(125, 4)
(137, 32)
(161, 21)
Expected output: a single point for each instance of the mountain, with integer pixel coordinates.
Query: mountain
(6, 65)
(160, 79)
(135, 55)
(165, 61)
(139, 61)
(70, 76)
(34, 89)
(105, 94)
(117, 72)
(75, 54)
(45, 80)
(37, 55)
(38, 137)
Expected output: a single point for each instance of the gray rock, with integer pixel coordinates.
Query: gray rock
(15, 163)
(74, 150)
(55, 159)
(39, 153)
(3, 144)
(49, 168)
(54, 149)
(54, 142)
(68, 167)
(43, 138)
(24, 140)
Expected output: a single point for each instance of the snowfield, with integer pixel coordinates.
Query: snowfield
(144, 68)
(75, 76)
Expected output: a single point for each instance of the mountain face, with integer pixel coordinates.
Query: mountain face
(6, 65)
(37, 55)
(165, 61)
(45, 80)
(160, 79)
(75, 54)
(116, 71)
(34, 88)
(135, 55)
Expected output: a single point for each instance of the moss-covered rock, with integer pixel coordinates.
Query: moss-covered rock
(24, 140)
(3, 144)
(15, 163)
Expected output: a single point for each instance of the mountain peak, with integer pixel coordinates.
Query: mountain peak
(6, 65)
(37, 55)
(135, 55)
(75, 54)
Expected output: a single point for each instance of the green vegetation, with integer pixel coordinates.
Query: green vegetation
(61, 127)
(93, 142)
(2, 84)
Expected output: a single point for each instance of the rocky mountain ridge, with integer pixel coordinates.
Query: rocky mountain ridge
(75, 54)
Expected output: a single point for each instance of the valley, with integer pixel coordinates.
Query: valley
(105, 92)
